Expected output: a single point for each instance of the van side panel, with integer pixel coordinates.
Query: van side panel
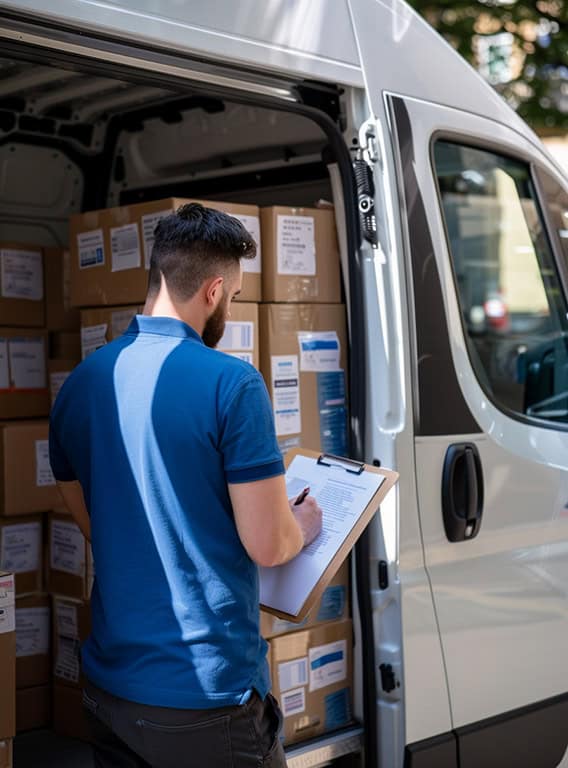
(307, 38)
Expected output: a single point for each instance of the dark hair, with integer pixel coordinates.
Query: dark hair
(194, 244)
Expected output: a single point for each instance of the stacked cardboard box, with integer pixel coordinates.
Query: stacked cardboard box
(33, 662)
(7, 664)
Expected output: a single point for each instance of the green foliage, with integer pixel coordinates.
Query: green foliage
(536, 34)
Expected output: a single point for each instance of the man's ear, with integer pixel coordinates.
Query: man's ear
(214, 290)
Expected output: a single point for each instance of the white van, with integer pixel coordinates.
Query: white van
(453, 224)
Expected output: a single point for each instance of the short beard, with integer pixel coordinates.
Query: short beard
(215, 325)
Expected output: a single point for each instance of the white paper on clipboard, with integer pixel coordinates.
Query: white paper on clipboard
(343, 497)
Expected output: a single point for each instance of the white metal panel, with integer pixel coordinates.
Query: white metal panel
(501, 598)
(307, 38)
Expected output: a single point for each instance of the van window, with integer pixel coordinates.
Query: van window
(556, 201)
(512, 303)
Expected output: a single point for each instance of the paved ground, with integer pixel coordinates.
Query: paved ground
(43, 749)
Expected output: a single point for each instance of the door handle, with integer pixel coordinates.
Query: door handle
(462, 492)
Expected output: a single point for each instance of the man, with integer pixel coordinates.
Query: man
(165, 452)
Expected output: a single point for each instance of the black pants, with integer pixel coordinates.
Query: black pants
(129, 735)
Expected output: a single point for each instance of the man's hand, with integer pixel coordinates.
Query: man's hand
(308, 514)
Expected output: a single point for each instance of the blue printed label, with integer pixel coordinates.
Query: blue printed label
(332, 603)
(337, 709)
(332, 412)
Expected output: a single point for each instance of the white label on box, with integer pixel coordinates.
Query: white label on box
(67, 548)
(66, 622)
(44, 475)
(286, 394)
(22, 275)
(293, 702)
(238, 335)
(4, 367)
(292, 674)
(252, 225)
(296, 245)
(7, 590)
(328, 664)
(32, 631)
(92, 338)
(67, 661)
(319, 351)
(149, 223)
(27, 363)
(124, 247)
(7, 618)
(91, 248)
(56, 381)
(246, 356)
(120, 320)
(20, 547)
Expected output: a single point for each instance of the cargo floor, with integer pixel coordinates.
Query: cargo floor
(45, 749)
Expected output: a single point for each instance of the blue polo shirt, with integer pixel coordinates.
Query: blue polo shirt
(154, 426)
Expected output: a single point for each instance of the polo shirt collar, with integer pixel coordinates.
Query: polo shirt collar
(162, 326)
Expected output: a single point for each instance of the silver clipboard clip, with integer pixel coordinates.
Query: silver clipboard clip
(349, 465)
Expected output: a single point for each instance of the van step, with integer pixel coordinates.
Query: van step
(327, 748)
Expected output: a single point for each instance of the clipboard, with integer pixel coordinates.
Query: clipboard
(336, 470)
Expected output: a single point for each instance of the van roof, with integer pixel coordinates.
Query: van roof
(385, 46)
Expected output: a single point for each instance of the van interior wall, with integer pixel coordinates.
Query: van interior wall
(73, 141)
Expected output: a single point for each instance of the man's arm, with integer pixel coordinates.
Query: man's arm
(271, 530)
(72, 494)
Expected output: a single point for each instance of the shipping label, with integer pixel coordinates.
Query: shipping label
(44, 475)
(21, 274)
(26, 357)
(67, 660)
(56, 381)
(20, 547)
(296, 245)
(286, 394)
(246, 356)
(252, 225)
(293, 702)
(319, 351)
(238, 335)
(124, 247)
(328, 664)
(7, 590)
(92, 338)
(66, 622)
(332, 412)
(4, 366)
(91, 249)
(287, 443)
(67, 548)
(7, 618)
(32, 631)
(149, 223)
(120, 320)
(292, 674)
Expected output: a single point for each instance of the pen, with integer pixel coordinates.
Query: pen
(302, 496)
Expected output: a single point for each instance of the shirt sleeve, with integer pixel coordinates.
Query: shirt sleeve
(60, 465)
(248, 438)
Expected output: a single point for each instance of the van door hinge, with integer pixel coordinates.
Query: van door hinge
(366, 155)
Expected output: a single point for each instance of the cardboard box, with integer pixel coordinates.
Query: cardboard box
(58, 371)
(21, 551)
(23, 373)
(99, 326)
(333, 605)
(68, 713)
(65, 345)
(312, 673)
(7, 656)
(33, 641)
(303, 360)
(70, 570)
(71, 626)
(6, 753)
(33, 708)
(111, 249)
(21, 285)
(300, 255)
(59, 314)
(27, 484)
(241, 333)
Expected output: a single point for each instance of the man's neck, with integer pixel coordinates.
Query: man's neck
(162, 306)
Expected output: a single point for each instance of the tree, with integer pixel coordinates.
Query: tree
(521, 49)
